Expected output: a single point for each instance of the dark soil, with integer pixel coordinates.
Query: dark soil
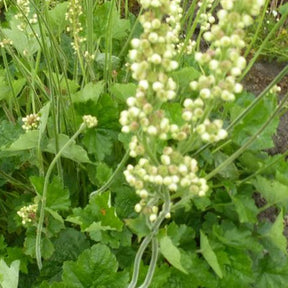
(255, 82)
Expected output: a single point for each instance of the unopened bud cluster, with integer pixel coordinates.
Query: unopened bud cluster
(28, 213)
(31, 122)
(175, 171)
(5, 42)
(152, 59)
(74, 25)
(90, 121)
(222, 63)
(24, 14)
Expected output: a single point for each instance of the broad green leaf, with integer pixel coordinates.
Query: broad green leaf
(138, 226)
(237, 268)
(54, 214)
(26, 141)
(47, 248)
(9, 276)
(181, 235)
(103, 173)
(24, 44)
(230, 171)
(73, 151)
(122, 91)
(236, 237)
(200, 274)
(273, 191)
(125, 199)
(57, 197)
(68, 245)
(209, 254)
(5, 91)
(275, 234)
(272, 273)
(100, 210)
(91, 91)
(251, 123)
(95, 267)
(120, 27)
(56, 17)
(171, 253)
(106, 110)
(44, 114)
(99, 143)
(245, 207)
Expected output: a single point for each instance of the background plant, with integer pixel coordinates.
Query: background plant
(63, 60)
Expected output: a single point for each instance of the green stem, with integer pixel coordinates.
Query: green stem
(152, 266)
(262, 169)
(271, 33)
(108, 46)
(260, 19)
(44, 195)
(111, 179)
(147, 240)
(125, 46)
(259, 97)
(248, 143)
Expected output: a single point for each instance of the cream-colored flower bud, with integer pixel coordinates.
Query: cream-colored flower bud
(155, 58)
(90, 121)
(152, 130)
(156, 23)
(205, 93)
(238, 88)
(193, 85)
(143, 193)
(165, 159)
(135, 43)
(152, 218)
(138, 208)
(144, 84)
(187, 116)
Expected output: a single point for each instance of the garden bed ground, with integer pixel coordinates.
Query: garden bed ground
(258, 78)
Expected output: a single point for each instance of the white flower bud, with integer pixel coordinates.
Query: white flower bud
(143, 194)
(205, 93)
(135, 43)
(138, 208)
(152, 217)
(144, 84)
(165, 159)
(153, 37)
(155, 59)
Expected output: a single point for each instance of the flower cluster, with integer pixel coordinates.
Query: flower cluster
(222, 64)
(152, 58)
(90, 121)
(5, 42)
(175, 172)
(24, 13)
(75, 27)
(28, 213)
(31, 122)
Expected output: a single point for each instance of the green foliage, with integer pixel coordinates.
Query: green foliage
(95, 267)
(216, 241)
(9, 275)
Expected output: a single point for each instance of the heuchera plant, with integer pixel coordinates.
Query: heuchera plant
(165, 175)
(161, 94)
